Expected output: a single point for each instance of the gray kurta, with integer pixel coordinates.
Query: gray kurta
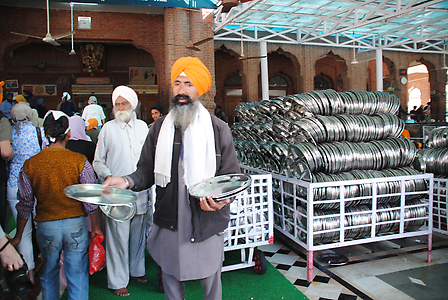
(174, 251)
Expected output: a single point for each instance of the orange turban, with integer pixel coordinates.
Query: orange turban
(92, 122)
(195, 70)
(20, 98)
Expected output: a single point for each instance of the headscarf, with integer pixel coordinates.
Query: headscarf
(66, 96)
(92, 99)
(21, 112)
(92, 122)
(195, 70)
(56, 114)
(127, 93)
(77, 129)
(20, 98)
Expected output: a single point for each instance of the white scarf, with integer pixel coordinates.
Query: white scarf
(198, 147)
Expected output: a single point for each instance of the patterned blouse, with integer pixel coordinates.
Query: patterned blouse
(25, 144)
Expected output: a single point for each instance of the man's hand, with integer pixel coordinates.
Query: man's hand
(9, 257)
(116, 181)
(208, 204)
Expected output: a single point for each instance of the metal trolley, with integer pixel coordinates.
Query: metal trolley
(440, 195)
(251, 224)
(294, 216)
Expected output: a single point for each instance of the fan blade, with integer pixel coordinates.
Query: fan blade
(192, 47)
(36, 37)
(62, 35)
(53, 42)
(203, 41)
(253, 57)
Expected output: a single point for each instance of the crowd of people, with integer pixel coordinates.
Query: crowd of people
(176, 151)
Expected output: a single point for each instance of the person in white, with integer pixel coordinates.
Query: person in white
(95, 111)
(117, 153)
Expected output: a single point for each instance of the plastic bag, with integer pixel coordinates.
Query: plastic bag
(97, 255)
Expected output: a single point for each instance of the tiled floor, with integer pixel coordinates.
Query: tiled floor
(395, 270)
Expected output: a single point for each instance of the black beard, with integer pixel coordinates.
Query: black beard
(175, 100)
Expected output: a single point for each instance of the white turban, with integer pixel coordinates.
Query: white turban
(66, 95)
(127, 93)
(92, 99)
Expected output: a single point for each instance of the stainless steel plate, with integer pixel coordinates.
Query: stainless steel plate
(95, 194)
(221, 187)
(119, 213)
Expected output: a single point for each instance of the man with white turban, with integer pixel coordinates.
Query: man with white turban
(183, 148)
(117, 153)
(95, 111)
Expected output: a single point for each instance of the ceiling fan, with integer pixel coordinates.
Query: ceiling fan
(191, 45)
(354, 60)
(48, 37)
(242, 56)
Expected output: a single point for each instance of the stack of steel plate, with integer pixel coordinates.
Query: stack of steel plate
(435, 158)
(326, 136)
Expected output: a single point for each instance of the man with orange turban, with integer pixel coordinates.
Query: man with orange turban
(183, 148)
(92, 130)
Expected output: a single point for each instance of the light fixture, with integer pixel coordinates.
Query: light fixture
(72, 52)
(354, 61)
(444, 57)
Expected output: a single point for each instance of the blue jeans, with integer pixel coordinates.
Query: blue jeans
(70, 236)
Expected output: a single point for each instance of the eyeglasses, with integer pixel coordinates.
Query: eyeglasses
(125, 103)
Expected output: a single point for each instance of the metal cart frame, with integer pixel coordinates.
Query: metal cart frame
(251, 224)
(288, 216)
(440, 205)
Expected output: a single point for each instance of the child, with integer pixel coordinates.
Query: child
(60, 221)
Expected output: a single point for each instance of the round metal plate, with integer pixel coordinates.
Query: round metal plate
(95, 194)
(221, 187)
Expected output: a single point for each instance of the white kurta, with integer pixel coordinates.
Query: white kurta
(93, 111)
(117, 153)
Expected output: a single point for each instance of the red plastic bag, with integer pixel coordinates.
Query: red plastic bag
(97, 255)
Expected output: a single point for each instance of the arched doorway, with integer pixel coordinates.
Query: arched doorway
(332, 69)
(418, 86)
(234, 96)
(389, 82)
(278, 86)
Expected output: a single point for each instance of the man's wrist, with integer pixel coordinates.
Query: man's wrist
(128, 184)
(4, 245)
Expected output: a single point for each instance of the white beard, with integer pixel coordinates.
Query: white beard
(183, 115)
(124, 115)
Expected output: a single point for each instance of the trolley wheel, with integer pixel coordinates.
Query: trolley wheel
(160, 278)
(260, 262)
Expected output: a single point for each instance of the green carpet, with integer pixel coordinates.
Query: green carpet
(238, 284)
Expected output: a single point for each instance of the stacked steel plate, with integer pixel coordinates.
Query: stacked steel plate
(324, 136)
(434, 159)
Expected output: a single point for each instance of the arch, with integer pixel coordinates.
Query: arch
(331, 70)
(279, 85)
(415, 98)
(418, 86)
(389, 75)
(229, 81)
(323, 82)
(234, 80)
(296, 74)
